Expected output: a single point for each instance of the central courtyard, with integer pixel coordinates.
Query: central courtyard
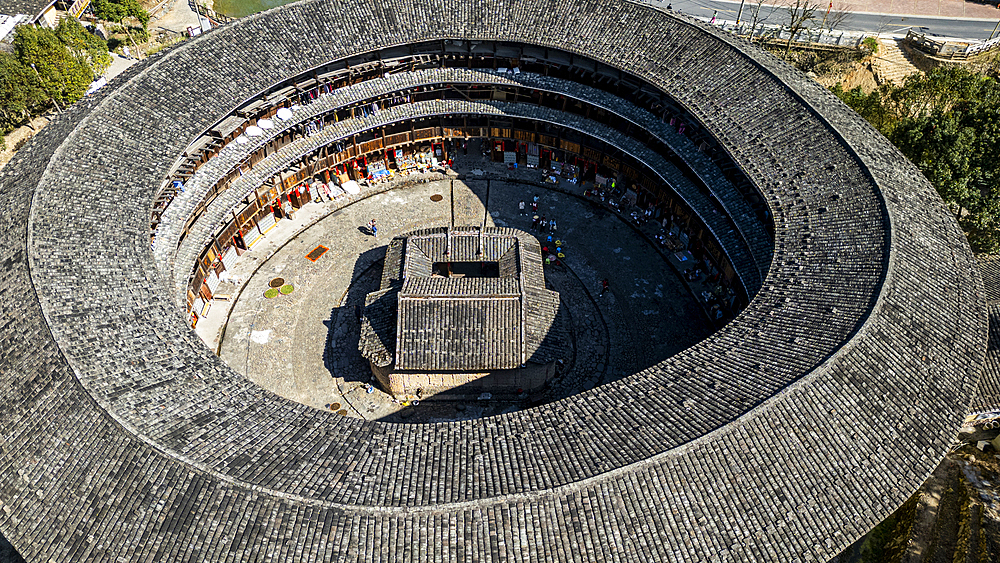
(304, 345)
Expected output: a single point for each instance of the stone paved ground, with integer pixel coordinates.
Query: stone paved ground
(303, 345)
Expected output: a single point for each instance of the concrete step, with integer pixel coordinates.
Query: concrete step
(891, 64)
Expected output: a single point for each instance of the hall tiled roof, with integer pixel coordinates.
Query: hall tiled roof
(378, 327)
(469, 323)
(459, 334)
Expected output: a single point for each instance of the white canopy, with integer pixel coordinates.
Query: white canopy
(254, 131)
(242, 139)
(351, 187)
(265, 124)
(284, 114)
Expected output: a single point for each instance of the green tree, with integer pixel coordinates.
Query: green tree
(64, 75)
(948, 124)
(117, 10)
(21, 95)
(871, 106)
(82, 42)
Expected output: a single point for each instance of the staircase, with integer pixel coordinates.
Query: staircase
(891, 64)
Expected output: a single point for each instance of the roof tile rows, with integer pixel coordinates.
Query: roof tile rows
(463, 323)
(707, 208)
(829, 399)
(236, 155)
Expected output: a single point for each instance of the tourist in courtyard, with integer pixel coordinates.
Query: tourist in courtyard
(373, 228)
(604, 287)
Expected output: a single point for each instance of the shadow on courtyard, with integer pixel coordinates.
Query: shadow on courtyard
(341, 356)
(7, 552)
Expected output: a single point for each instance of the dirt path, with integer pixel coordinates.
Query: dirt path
(19, 136)
(177, 18)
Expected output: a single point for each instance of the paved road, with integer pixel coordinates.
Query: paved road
(946, 18)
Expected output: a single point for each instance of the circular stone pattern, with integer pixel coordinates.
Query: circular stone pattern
(784, 436)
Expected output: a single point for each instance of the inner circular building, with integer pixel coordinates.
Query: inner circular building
(451, 281)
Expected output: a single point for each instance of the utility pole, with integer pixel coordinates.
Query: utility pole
(53, 98)
(828, 8)
(739, 15)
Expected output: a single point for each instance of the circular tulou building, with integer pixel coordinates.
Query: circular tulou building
(784, 436)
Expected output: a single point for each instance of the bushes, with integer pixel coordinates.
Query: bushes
(117, 10)
(85, 44)
(65, 61)
(948, 124)
(65, 75)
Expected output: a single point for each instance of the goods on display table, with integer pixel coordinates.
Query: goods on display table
(336, 192)
(377, 170)
(404, 162)
(418, 161)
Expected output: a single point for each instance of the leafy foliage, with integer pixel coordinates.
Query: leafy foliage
(65, 61)
(82, 42)
(948, 124)
(65, 75)
(21, 95)
(117, 10)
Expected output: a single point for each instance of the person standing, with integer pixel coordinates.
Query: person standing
(552, 226)
(534, 222)
(520, 207)
(604, 287)
(373, 227)
(543, 225)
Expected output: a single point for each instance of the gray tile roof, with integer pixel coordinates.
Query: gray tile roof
(987, 396)
(418, 287)
(27, 7)
(989, 269)
(459, 334)
(785, 436)
(452, 323)
(378, 326)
